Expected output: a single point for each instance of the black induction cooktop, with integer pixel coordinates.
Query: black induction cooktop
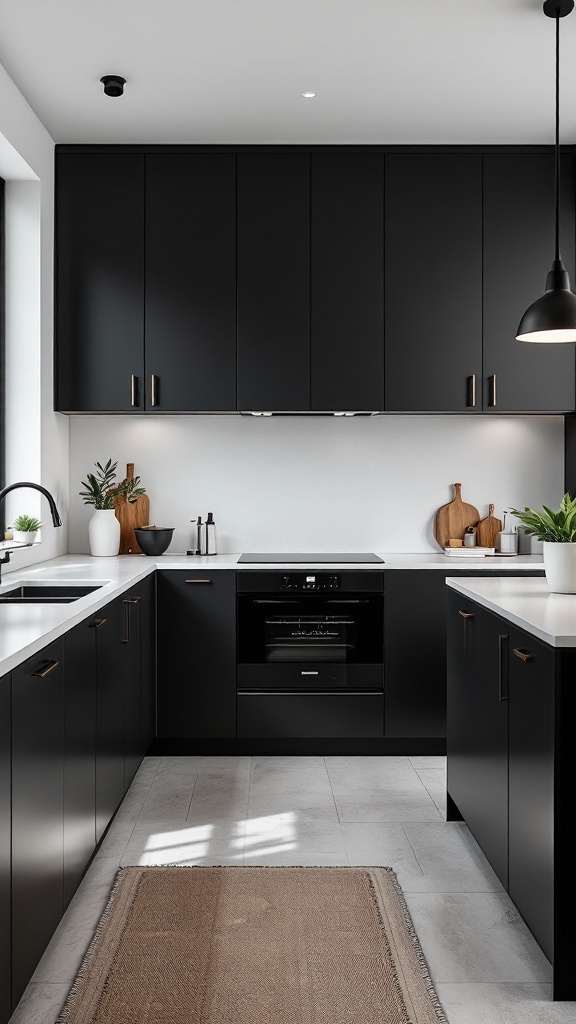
(309, 557)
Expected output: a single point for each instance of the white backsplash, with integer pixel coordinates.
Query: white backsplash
(319, 483)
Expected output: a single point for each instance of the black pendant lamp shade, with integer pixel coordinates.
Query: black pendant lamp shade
(552, 318)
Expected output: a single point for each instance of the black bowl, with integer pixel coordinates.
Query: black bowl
(154, 539)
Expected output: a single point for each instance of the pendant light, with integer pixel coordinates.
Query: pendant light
(552, 318)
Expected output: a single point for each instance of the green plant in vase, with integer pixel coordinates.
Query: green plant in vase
(557, 531)
(102, 491)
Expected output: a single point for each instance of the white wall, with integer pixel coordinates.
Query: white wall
(37, 437)
(319, 483)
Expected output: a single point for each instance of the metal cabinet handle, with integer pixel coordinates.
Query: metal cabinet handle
(97, 623)
(501, 638)
(50, 666)
(466, 615)
(471, 402)
(153, 393)
(309, 673)
(492, 394)
(133, 390)
(205, 581)
(131, 600)
(523, 655)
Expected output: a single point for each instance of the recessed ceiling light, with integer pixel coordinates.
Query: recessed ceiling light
(308, 95)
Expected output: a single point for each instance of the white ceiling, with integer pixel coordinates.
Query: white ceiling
(394, 71)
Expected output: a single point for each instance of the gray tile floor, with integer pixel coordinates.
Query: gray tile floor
(314, 810)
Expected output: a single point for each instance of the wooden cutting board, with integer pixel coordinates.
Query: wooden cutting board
(487, 529)
(129, 515)
(453, 519)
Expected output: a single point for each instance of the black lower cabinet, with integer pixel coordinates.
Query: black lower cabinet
(310, 715)
(416, 610)
(511, 713)
(147, 590)
(5, 843)
(79, 752)
(478, 726)
(131, 639)
(531, 785)
(109, 714)
(196, 654)
(37, 809)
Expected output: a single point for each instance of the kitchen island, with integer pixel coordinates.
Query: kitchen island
(510, 739)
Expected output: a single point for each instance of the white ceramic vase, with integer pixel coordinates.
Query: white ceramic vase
(104, 532)
(560, 567)
(24, 536)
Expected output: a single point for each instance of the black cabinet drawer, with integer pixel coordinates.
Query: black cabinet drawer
(310, 715)
(310, 676)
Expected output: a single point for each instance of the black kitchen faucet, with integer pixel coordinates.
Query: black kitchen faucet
(5, 557)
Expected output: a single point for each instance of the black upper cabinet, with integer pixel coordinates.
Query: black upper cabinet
(273, 196)
(518, 253)
(100, 282)
(433, 282)
(347, 281)
(190, 339)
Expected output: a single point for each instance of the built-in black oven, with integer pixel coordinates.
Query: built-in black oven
(310, 633)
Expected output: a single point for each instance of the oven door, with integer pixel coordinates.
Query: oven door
(310, 641)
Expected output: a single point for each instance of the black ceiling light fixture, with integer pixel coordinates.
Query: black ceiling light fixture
(552, 318)
(113, 85)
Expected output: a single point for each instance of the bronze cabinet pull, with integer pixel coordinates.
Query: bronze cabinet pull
(198, 581)
(471, 402)
(492, 395)
(153, 393)
(466, 615)
(42, 673)
(501, 638)
(523, 655)
(131, 600)
(97, 623)
(133, 390)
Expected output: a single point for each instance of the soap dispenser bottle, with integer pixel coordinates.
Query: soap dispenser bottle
(200, 536)
(210, 527)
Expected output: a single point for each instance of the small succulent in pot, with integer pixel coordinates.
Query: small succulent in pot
(557, 531)
(25, 528)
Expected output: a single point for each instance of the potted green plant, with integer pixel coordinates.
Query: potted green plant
(101, 491)
(25, 529)
(557, 531)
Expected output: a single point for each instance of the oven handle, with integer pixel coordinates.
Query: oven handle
(347, 600)
(276, 601)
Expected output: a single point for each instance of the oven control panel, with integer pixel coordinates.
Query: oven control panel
(311, 581)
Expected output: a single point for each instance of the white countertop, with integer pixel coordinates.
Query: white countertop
(25, 629)
(527, 603)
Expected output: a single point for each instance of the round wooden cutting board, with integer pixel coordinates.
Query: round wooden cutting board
(453, 519)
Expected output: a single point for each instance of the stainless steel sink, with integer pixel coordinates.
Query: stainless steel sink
(60, 593)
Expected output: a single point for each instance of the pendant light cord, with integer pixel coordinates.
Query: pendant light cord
(557, 149)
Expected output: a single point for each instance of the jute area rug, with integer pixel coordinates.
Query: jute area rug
(249, 945)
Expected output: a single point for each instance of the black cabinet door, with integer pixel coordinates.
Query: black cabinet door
(109, 714)
(518, 252)
(273, 282)
(347, 281)
(131, 642)
(37, 809)
(415, 688)
(486, 693)
(79, 752)
(196, 653)
(460, 740)
(531, 784)
(191, 282)
(5, 837)
(147, 591)
(433, 282)
(99, 282)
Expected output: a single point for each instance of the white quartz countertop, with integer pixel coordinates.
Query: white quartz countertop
(527, 603)
(25, 629)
